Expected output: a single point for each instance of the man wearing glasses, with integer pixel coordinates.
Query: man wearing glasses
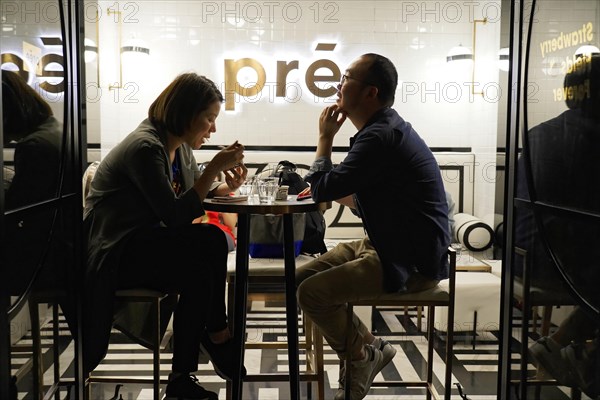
(392, 181)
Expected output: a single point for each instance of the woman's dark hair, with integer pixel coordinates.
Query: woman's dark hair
(187, 96)
(383, 75)
(582, 85)
(23, 109)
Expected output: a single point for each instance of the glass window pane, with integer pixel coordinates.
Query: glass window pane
(33, 84)
(562, 143)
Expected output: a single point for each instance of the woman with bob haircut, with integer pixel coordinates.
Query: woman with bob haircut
(138, 217)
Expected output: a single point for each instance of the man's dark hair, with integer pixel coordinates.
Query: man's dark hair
(177, 106)
(383, 75)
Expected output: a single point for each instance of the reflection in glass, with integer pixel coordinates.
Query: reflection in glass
(559, 172)
(563, 154)
(29, 125)
(575, 245)
(33, 103)
(564, 149)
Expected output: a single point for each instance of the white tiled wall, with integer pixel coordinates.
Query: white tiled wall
(191, 35)
(433, 95)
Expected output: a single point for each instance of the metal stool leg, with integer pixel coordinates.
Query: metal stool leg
(156, 349)
(55, 346)
(37, 356)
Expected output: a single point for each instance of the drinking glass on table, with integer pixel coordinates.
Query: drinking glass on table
(245, 189)
(266, 190)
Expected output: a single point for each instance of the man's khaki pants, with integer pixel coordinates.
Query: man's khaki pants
(347, 273)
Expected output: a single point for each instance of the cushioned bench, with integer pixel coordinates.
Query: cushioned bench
(477, 303)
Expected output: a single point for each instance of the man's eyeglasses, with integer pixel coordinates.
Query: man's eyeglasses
(346, 77)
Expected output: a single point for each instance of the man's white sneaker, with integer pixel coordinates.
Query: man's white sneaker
(386, 348)
(388, 352)
(363, 372)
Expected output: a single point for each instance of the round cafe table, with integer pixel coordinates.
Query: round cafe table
(245, 209)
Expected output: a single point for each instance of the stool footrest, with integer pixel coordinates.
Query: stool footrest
(281, 377)
(123, 379)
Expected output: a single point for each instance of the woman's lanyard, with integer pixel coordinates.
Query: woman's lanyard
(176, 168)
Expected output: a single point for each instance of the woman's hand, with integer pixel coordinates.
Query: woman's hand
(236, 176)
(228, 158)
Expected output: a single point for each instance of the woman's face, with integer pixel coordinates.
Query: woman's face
(202, 126)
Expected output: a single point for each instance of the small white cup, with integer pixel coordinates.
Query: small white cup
(282, 192)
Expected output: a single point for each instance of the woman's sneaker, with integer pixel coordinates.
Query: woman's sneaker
(187, 387)
(223, 357)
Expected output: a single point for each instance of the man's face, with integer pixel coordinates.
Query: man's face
(353, 87)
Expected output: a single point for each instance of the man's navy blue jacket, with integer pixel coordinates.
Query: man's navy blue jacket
(399, 195)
